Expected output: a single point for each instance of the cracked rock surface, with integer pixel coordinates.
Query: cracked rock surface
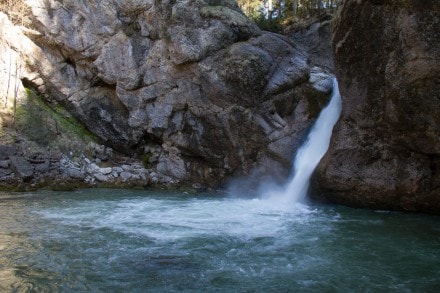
(194, 85)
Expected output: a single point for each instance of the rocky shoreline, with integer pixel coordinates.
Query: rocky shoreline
(22, 172)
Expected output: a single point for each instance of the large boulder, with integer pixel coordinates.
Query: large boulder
(195, 81)
(22, 167)
(385, 150)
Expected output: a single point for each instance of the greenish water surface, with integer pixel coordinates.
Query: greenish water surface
(101, 240)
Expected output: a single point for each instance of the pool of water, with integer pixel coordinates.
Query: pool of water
(101, 240)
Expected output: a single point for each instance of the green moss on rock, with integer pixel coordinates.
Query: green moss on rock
(49, 126)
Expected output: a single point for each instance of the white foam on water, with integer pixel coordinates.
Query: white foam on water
(170, 219)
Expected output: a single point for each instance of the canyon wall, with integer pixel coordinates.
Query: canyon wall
(385, 150)
(193, 88)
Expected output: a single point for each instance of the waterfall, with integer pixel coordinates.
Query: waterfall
(311, 152)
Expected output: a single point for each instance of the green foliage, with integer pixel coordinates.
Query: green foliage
(272, 25)
(48, 126)
(146, 160)
(252, 8)
(30, 120)
(17, 11)
(285, 12)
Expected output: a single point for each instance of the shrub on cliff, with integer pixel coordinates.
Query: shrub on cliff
(17, 11)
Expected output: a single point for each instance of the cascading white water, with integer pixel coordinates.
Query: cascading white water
(311, 152)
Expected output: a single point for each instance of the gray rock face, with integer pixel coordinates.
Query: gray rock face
(195, 80)
(316, 41)
(4, 164)
(385, 151)
(74, 173)
(6, 152)
(22, 167)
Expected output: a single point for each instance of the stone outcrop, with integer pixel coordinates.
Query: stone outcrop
(194, 87)
(21, 171)
(385, 150)
(315, 40)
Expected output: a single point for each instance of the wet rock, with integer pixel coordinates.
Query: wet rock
(321, 80)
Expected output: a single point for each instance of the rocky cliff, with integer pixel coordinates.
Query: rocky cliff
(193, 88)
(314, 38)
(385, 150)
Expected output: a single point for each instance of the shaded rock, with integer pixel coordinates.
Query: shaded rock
(292, 71)
(4, 164)
(385, 150)
(43, 167)
(5, 172)
(75, 173)
(7, 151)
(22, 167)
(316, 41)
(173, 167)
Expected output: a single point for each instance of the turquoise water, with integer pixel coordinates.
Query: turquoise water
(143, 241)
